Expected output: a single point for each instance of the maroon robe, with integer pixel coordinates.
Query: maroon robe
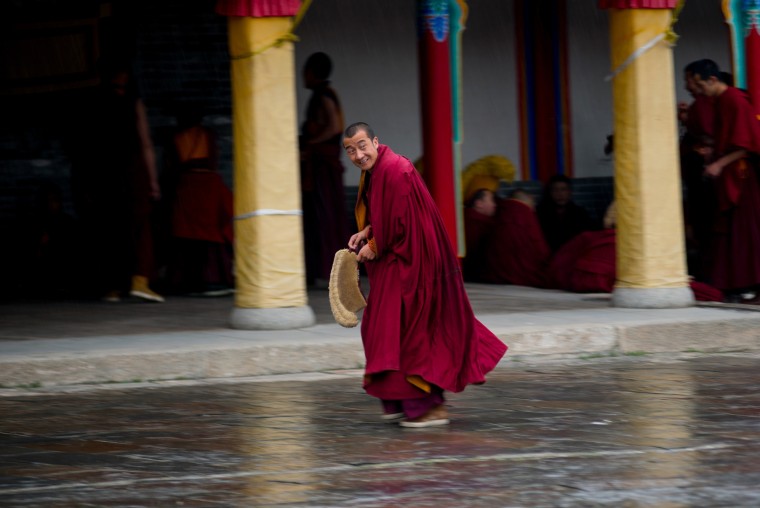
(587, 264)
(325, 221)
(418, 321)
(736, 241)
(699, 199)
(477, 229)
(700, 118)
(203, 208)
(516, 252)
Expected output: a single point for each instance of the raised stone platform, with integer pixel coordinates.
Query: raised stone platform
(92, 342)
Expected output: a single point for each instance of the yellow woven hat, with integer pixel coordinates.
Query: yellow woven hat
(486, 173)
(346, 298)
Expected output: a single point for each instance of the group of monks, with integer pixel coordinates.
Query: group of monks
(552, 245)
(555, 245)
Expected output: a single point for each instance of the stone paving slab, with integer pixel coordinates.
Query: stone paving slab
(187, 339)
(627, 431)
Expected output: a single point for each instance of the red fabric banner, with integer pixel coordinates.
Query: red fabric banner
(638, 4)
(258, 8)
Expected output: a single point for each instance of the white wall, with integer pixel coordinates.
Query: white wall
(373, 44)
(489, 80)
(588, 56)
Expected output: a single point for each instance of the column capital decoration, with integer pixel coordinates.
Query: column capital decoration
(434, 18)
(751, 10)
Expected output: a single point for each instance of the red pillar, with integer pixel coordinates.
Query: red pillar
(437, 115)
(752, 51)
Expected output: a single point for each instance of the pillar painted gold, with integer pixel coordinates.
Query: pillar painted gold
(651, 260)
(269, 266)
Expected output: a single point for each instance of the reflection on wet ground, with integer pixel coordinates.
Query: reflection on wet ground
(623, 432)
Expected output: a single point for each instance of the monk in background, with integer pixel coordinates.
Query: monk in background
(325, 220)
(117, 185)
(588, 263)
(480, 182)
(734, 166)
(698, 120)
(479, 220)
(419, 333)
(560, 217)
(201, 211)
(516, 251)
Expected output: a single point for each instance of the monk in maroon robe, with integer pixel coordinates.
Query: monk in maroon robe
(202, 216)
(587, 264)
(478, 226)
(516, 251)
(734, 166)
(698, 120)
(419, 332)
(324, 204)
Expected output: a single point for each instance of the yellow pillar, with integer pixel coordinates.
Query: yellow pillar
(651, 261)
(269, 267)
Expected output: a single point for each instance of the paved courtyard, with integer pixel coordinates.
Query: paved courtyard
(665, 431)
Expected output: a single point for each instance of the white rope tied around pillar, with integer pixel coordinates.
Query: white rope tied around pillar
(668, 35)
(636, 54)
(267, 211)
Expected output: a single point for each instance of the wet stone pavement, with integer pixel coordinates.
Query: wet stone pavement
(630, 431)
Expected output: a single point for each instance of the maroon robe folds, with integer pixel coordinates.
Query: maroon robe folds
(418, 322)
(203, 208)
(477, 229)
(587, 264)
(516, 251)
(736, 256)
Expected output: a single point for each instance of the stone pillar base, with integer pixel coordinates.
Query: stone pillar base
(653, 298)
(285, 318)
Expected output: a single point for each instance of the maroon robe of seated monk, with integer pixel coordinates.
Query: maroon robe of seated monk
(418, 328)
(516, 252)
(586, 264)
(736, 241)
(477, 229)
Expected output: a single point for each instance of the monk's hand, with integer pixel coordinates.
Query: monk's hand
(366, 254)
(713, 170)
(359, 239)
(355, 242)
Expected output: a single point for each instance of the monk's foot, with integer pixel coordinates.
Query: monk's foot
(392, 417)
(435, 417)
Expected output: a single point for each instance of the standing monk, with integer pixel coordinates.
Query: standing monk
(324, 202)
(734, 166)
(698, 120)
(419, 332)
(119, 187)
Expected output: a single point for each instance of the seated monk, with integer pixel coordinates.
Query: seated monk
(516, 252)
(480, 181)
(478, 224)
(587, 264)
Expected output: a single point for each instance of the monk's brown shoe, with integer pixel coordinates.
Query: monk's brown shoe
(433, 418)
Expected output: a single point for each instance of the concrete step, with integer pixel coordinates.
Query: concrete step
(227, 353)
